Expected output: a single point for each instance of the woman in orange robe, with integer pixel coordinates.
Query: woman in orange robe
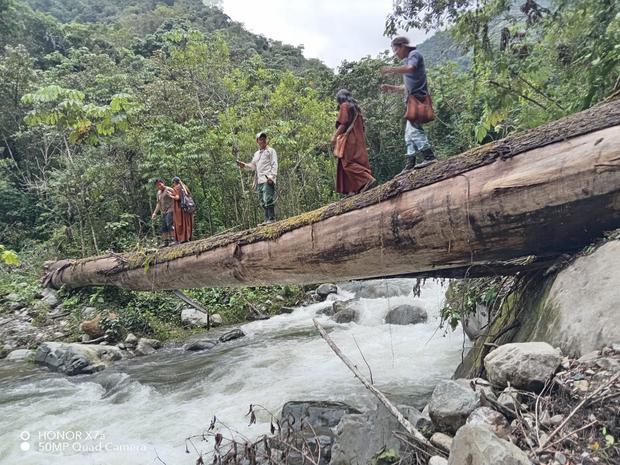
(183, 222)
(353, 174)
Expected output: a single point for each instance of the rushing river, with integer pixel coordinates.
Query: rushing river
(144, 407)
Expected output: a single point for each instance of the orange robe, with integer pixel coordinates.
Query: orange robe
(353, 170)
(183, 222)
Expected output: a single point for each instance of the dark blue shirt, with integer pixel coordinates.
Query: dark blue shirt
(415, 81)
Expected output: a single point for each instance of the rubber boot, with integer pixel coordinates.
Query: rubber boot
(271, 213)
(409, 164)
(429, 158)
(266, 221)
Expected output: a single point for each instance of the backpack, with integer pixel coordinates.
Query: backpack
(187, 202)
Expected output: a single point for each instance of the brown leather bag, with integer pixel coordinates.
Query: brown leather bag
(419, 109)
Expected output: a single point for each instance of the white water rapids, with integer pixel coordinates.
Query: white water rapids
(144, 407)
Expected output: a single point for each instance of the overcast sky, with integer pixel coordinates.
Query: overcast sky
(331, 30)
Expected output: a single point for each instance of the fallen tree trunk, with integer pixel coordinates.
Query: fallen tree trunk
(530, 197)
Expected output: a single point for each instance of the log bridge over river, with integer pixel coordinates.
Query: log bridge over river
(507, 206)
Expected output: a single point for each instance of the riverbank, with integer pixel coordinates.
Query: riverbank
(31, 315)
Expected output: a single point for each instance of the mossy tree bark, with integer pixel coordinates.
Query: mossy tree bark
(538, 194)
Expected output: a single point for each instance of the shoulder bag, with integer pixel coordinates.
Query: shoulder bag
(419, 109)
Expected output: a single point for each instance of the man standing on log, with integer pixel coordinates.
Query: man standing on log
(265, 167)
(414, 77)
(165, 204)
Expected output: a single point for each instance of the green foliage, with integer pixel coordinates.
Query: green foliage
(8, 257)
(386, 457)
(463, 297)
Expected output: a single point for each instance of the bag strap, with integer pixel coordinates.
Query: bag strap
(346, 133)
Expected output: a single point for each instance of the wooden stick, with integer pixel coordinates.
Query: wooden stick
(566, 436)
(189, 301)
(581, 404)
(378, 394)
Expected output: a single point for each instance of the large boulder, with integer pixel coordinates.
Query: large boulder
(451, 404)
(76, 359)
(580, 312)
(360, 436)
(476, 445)
(525, 365)
(406, 315)
(194, 318)
(325, 289)
(379, 288)
(321, 415)
(490, 419)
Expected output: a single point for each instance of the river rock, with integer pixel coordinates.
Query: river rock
(286, 310)
(230, 335)
(525, 365)
(476, 445)
(589, 359)
(88, 313)
(346, 316)
(379, 288)
(202, 344)
(321, 415)
(50, 297)
(482, 386)
(216, 320)
(451, 404)
(147, 346)
(510, 398)
(443, 441)
(420, 420)
(489, 418)
(406, 315)
(326, 310)
(131, 341)
(340, 305)
(609, 363)
(325, 289)
(360, 436)
(437, 460)
(194, 318)
(19, 355)
(75, 359)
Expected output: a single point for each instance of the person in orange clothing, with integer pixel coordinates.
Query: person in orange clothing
(353, 173)
(183, 221)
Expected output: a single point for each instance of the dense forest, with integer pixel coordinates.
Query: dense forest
(99, 98)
